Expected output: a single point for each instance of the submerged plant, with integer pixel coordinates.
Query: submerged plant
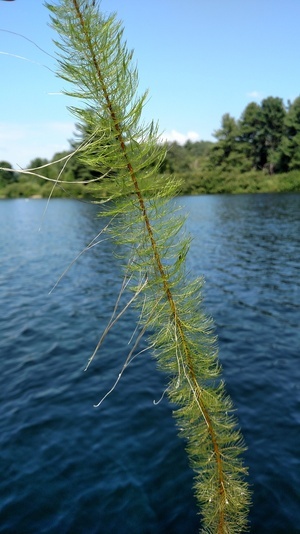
(149, 234)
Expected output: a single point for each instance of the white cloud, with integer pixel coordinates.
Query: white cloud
(20, 143)
(180, 138)
(255, 94)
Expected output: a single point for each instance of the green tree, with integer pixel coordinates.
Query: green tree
(38, 162)
(9, 176)
(261, 131)
(289, 157)
(273, 115)
(251, 126)
(226, 153)
(176, 159)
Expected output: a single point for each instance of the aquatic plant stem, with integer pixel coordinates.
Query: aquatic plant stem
(191, 372)
(150, 237)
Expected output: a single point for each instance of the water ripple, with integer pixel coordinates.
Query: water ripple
(69, 468)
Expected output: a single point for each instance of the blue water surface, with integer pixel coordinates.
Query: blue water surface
(67, 467)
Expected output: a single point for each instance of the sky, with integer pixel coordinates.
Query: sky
(198, 58)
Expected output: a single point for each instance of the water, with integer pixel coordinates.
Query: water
(67, 467)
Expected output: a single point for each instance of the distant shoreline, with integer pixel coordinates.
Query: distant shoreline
(211, 182)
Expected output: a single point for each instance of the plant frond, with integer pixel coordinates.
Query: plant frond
(147, 228)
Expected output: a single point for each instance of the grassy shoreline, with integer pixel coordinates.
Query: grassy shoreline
(232, 182)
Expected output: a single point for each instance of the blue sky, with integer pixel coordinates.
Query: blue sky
(199, 59)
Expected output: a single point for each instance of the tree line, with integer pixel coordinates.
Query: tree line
(266, 137)
(260, 151)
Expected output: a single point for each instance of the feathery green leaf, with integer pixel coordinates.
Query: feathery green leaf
(149, 235)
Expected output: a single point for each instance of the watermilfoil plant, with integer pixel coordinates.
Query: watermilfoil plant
(149, 234)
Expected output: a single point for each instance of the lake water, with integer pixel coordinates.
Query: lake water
(67, 467)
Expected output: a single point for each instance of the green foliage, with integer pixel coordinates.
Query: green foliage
(264, 138)
(64, 176)
(289, 154)
(149, 235)
(7, 176)
(187, 158)
(250, 134)
(226, 154)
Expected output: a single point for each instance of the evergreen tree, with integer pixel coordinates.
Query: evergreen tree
(7, 176)
(251, 134)
(273, 115)
(227, 152)
(253, 141)
(289, 150)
